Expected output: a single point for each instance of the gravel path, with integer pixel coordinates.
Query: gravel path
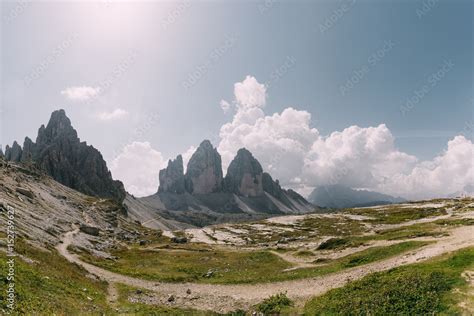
(225, 298)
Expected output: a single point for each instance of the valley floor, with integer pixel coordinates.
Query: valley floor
(451, 235)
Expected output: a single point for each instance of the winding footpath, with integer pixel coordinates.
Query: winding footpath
(225, 298)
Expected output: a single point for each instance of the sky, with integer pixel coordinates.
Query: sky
(369, 94)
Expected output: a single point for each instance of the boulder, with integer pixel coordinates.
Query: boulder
(179, 240)
(90, 230)
(25, 192)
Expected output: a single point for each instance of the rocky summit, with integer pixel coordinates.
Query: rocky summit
(172, 178)
(204, 172)
(59, 152)
(244, 175)
(202, 196)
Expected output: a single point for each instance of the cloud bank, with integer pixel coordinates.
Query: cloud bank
(359, 157)
(293, 151)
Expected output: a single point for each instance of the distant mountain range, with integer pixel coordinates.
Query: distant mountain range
(338, 196)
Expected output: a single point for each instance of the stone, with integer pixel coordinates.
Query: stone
(172, 178)
(90, 230)
(244, 175)
(25, 192)
(179, 240)
(204, 171)
(171, 298)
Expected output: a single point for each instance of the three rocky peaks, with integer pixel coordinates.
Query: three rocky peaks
(245, 176)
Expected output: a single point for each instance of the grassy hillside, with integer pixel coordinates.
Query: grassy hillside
(419, 289)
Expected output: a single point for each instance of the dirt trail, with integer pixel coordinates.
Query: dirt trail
(224, 298)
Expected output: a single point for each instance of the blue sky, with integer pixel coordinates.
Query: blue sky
(345, 62)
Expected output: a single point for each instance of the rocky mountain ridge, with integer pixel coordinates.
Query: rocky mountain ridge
(59, 153)
(202, 196)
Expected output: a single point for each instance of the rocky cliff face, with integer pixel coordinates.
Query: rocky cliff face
(204, 172)
(13, 153)
(60, 153)
(172, 178)
(246, 193)
(244, 175)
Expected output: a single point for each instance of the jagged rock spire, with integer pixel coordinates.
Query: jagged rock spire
(59, 152)
(172, 178)
(204, 172)
(244, 175)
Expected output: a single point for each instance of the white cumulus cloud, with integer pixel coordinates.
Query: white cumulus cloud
(113, 115)
(293, 151)
(450, 172)
(250, 93)
(81, 93)
(138, 167)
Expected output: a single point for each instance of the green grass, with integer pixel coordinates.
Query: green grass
(339, 243)
(419, 289)
(396, 215)
(275, 304)
(193, 266)
(304, 253)
(230, 267)
(51, 285)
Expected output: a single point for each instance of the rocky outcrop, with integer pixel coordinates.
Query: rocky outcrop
(172, 178)
(244, 175)
(28, 150)
(13, 153)
(272, 187)
(204, 172)
(246, 193)
(60, 153)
